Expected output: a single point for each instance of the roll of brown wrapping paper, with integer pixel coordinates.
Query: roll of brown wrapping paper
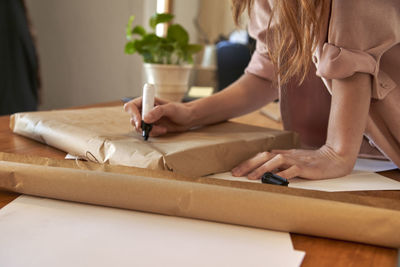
(339, 216)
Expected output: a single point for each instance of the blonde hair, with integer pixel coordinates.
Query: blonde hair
(294, 36)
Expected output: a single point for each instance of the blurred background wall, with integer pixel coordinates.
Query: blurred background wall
(81, 42)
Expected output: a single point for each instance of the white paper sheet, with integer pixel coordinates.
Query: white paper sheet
(230, 177)
(43, 232)
(356, 181)
(373, 165)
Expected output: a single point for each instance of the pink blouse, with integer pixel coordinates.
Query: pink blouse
(361, 36)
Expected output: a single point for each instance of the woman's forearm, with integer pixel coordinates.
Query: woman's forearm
(245, 95)
(348, 116)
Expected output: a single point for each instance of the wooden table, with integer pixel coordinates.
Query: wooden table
(319, 251)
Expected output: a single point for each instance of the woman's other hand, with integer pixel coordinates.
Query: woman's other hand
(310, 164)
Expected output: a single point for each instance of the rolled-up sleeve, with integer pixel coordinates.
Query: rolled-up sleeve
(359, 34)
(261, 66)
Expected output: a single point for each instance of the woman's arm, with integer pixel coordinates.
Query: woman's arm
(351, 99)
(347, 121)
(245, 95)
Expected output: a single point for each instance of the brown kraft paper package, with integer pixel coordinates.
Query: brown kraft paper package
(105, 135)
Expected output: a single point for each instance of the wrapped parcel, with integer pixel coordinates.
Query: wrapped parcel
(104, 135)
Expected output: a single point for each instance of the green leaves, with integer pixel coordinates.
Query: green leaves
(128, 28)
(159, 18)
(176, 33)
(172, 49)
(192, 49)
(130, 48)
(139, 30)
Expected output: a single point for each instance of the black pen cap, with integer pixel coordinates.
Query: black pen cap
(271, 178)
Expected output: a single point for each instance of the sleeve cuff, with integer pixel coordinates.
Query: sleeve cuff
(261, 66)
(339, 63)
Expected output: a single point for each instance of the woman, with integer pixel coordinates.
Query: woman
(355, 46)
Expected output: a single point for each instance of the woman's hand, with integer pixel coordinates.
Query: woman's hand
(309, 164)
(166, 116)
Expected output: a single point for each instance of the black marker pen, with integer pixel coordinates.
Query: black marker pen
(149, 91)
(271, 178)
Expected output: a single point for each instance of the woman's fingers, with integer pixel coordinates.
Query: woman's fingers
(157, 130)
(250, 164)
(294, 152)
(134, 104)
(264, 162)
(278, 151)
(165, 116)
(159, 101)
(133, 108)
(167, 110)
(278, 161)
(309, 164)
(136, 125)
(290, 172)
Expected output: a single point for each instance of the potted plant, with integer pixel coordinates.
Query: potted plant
(168, 60)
